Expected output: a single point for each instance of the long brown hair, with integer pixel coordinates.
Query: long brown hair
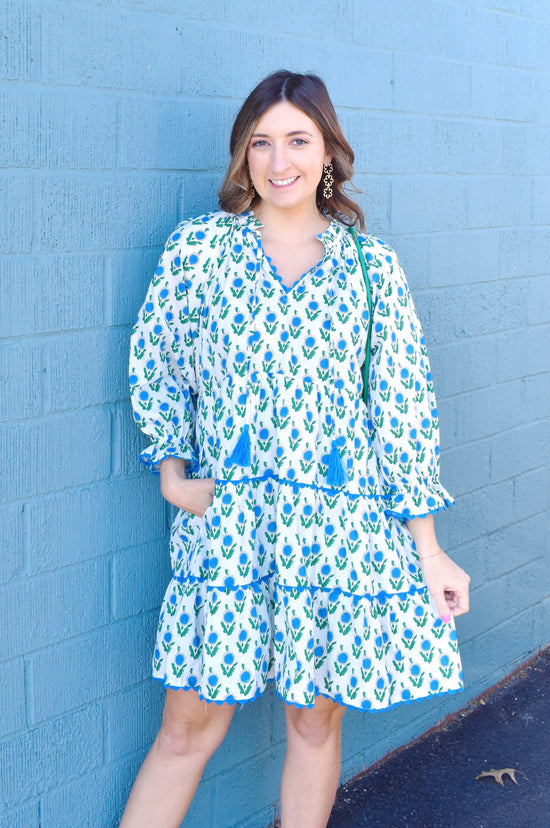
(308, 93)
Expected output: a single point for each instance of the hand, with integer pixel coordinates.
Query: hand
(193, 495)
(447, 583)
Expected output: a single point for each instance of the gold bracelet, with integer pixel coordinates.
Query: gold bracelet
(425, 558)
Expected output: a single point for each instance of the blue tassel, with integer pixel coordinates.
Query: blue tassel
(336, 475)
(241, 452)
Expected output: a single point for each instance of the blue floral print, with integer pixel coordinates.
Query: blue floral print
(289, 575)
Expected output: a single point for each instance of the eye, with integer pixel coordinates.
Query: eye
(259, 143)
(300, 142)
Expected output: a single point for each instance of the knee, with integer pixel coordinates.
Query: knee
(315, 728)
(178, 739)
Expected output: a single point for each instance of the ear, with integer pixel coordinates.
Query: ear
(327, 159)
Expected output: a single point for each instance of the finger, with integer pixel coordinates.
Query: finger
(463, 603)
(463, 597)
(458, 602)
(442, 605)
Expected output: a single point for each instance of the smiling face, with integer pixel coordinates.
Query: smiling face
(285, 157)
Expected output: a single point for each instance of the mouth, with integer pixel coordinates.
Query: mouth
(281, 183)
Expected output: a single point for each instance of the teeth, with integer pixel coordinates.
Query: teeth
(283, 182)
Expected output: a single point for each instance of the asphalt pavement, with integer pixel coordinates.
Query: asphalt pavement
(432, 782)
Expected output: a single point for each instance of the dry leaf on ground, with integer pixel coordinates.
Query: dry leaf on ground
(498, 774)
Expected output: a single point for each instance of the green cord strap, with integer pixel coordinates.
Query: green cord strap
(369, 300)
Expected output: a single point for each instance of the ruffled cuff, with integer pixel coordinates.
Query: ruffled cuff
(420, 501)
(153, 454)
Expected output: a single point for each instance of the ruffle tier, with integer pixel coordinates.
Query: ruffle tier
(318, 591)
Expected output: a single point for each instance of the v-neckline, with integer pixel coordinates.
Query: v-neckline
(326, 237)
(289, 288)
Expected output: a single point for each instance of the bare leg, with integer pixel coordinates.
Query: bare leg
(312, 764)
(191, 731)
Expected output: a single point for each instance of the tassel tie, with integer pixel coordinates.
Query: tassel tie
(241, 454)
(336, 474)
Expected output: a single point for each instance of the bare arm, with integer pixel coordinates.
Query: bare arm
(447, 583)
(192, 495)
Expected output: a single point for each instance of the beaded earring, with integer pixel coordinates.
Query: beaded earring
(328, 180)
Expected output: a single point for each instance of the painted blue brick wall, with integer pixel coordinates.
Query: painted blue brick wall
(115, 123)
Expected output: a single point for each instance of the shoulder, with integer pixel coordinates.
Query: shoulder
(377, 252)
(385, 273)
(194, 245)
(201, 231)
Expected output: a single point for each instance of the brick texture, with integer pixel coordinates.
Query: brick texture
(116, 119)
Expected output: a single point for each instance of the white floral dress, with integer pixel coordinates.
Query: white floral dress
(302, 569)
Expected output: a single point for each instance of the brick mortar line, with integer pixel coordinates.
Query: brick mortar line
(53, 337)
(128, 476)
(237, 99)
(151, 249)
(468, 492)
(151, 615)
(62, 413)
(460, 4)
(40, 174)
(504, 575)
(488, 533)
(494, 386)
(463, 546)
(204, 97)
(186, 98)
(148, 249)
(73, 566)
(100, 251)
(224, 26)
(75, 489)
(464, 639)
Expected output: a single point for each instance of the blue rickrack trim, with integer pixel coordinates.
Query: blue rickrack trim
(296, 484)
(407, 515)
(152, 456)
(231, 700)
(232, 587)
(381, 596)
(299, 485)
(289, 288)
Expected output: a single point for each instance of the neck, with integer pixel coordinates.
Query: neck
(292, 224)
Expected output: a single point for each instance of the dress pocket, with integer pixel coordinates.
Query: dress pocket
(207, 515)
(190, 543)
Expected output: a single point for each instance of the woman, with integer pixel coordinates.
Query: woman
(304, 548)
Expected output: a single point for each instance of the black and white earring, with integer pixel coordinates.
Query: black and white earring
(328, 180)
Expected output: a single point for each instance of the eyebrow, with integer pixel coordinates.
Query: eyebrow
(295, 132)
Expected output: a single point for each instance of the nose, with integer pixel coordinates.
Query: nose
(279, 159)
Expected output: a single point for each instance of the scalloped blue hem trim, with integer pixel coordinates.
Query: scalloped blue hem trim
(270, 475)
(146, 457)
(381, 596)
(151, 461)
(338, 698)
(404, 517)
(289, 288)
